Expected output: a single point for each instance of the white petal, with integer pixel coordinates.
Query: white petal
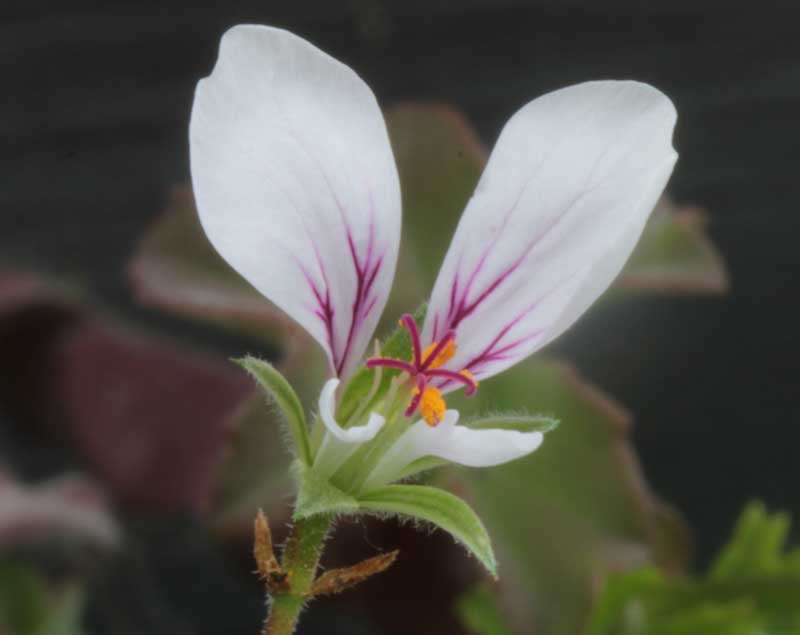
(454, 443)
(296, 185)
(563, 200)
(356, 434)
(339, 443)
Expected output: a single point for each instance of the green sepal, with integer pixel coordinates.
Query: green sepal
(436, 506)
(317, 496)
(518, 422)
(396, 345)
(282, 393)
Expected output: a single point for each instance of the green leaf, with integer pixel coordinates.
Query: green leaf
(66, 613)
(29, 607)
(438, 507)
(318, 496)
(285, 397)
(478, 611)
(23, 599)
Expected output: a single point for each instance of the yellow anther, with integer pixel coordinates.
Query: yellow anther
(444, 355)
(468, 375)
(432, 406)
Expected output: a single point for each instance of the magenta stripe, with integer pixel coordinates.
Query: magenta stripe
(416, 398)
(389, 362)
(471, 384)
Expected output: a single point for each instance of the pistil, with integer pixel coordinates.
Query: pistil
(425, 367)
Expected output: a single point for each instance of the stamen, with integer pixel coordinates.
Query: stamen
(461, 377)
(437, 350)
(390, 362)
(432, 406)
(418, 392)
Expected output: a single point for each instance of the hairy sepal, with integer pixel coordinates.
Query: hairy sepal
(281, 393)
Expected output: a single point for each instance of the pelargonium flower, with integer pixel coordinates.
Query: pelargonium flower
(297, 189)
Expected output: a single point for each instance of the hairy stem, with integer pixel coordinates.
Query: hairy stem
(300, 560)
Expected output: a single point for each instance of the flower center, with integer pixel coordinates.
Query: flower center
(425, 367)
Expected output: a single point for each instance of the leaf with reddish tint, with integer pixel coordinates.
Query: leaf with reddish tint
(152, 418)
(68, 506)
(575, 509)
(675, 254)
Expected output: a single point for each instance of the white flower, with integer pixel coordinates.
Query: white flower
(297, 189)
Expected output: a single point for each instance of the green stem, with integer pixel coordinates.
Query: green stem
(300, 560)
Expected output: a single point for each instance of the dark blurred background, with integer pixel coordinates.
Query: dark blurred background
(94, 114)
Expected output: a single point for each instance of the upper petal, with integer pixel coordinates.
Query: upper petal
(454, 443)
(562, 201)
(296, 185)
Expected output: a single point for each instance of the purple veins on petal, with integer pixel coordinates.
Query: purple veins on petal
(366, 273)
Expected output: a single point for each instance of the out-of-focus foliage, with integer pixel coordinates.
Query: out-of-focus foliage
(28, 606)
(752, 588)
(479, 613)
(674, 254)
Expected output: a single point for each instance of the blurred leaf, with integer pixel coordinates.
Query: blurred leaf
(575, 509)
(68, 507)
(23, 599)
(752, 589)
(152, 418)
(757, 547)
(439, 160)
(479, 613)
(29, 607)
(675, 254)
(436, 506)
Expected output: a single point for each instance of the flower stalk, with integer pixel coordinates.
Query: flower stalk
(299, 563)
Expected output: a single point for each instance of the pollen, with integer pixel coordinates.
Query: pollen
(443, 356)
(432, 406)
(469, 375)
